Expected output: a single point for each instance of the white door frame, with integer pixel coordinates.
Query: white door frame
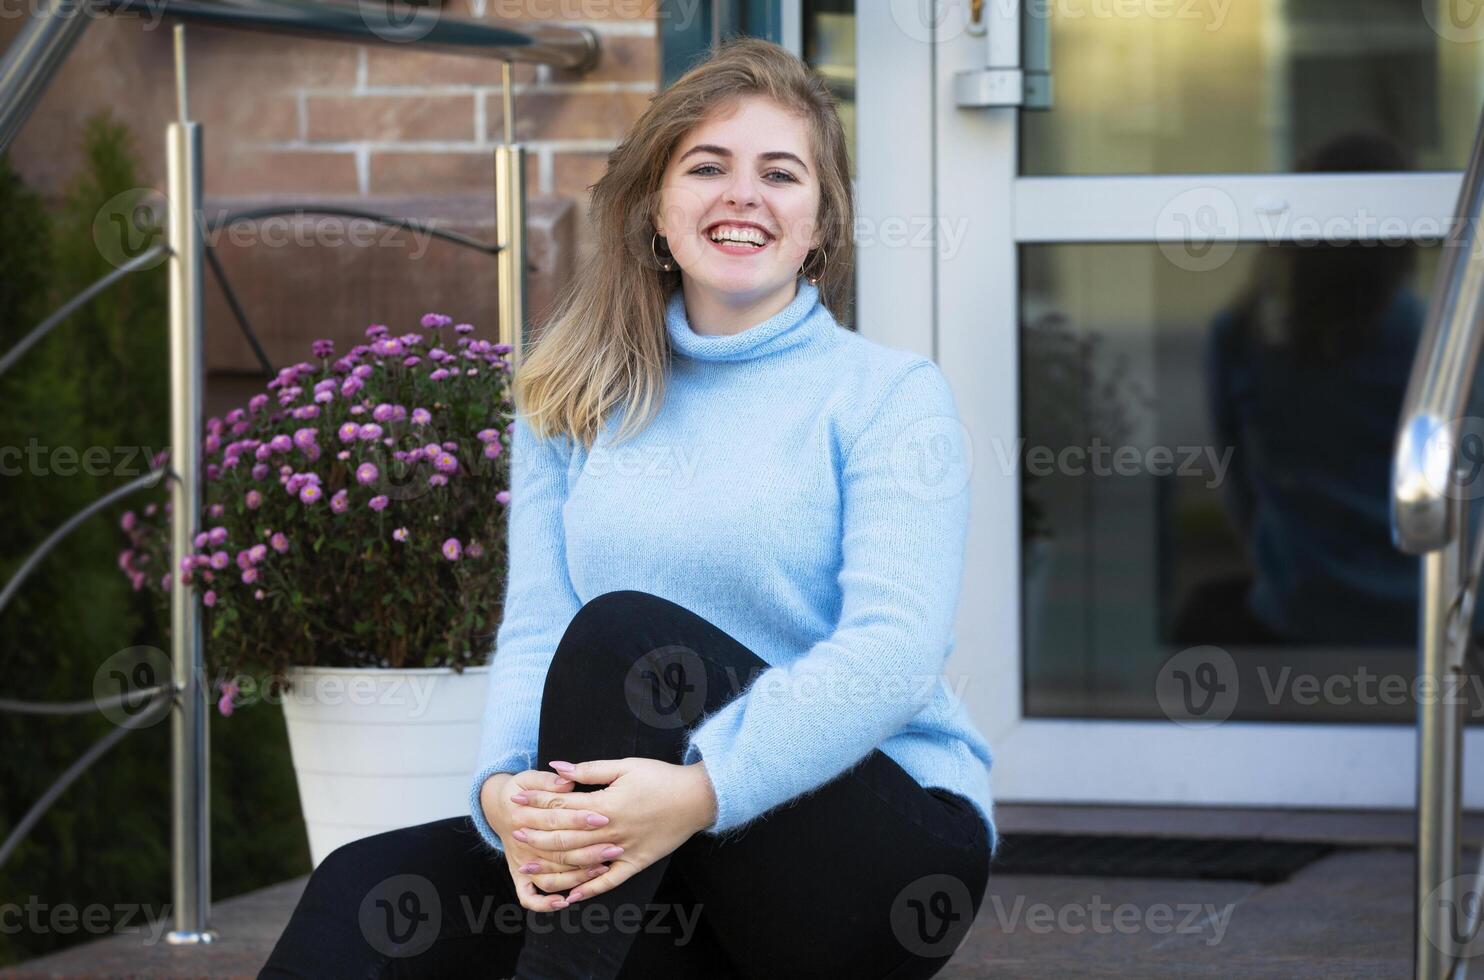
(922, 158)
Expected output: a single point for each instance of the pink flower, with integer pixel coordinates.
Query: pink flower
(400, 534)
(209, 598)
(378, 503)
(311, 493)
(367, 473)
(280, 542)
(421, 416)
(253, 500)
(452, 549)
(348, 432)
(249, 576)
(503, 497)
(224, 704)
(340, 503)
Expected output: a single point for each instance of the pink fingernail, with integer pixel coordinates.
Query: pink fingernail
(574, 896)
(519, 835)
(563, 767)
(612, 851)
(596, 820)
(520, 798)
(594, 872)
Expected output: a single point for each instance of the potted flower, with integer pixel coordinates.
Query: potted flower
(351, 566)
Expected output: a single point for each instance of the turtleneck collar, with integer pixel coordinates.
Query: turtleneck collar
(802, 318)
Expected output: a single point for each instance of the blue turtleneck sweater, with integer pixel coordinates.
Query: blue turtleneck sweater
(804, 489)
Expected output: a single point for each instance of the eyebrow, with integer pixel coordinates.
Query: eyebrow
(722, 151)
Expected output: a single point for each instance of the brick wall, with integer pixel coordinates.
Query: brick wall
(290, 118)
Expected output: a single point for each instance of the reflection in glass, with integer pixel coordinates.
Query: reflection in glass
(829, 46)
(1253, 85)
(1206, 463)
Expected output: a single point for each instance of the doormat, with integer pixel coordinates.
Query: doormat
(1088, 856)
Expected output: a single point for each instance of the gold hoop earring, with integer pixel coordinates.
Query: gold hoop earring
(667, 263)
(814, 279)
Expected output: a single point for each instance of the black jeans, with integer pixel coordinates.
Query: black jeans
(869, 875)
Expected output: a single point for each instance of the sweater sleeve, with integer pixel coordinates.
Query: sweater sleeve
(539, 603)
(905, 506)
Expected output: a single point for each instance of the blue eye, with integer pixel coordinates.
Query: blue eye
(787, 177)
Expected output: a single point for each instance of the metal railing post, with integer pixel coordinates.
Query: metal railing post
(190, 813)
(1439, 755)
(35, 56)
(510, 230)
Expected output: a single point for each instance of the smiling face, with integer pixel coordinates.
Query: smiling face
(739, 205)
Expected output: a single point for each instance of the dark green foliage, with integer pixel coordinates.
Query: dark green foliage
(100, 379)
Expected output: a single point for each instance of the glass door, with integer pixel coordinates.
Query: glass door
(1177, 296)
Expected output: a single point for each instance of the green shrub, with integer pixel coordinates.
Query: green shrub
(100, 379)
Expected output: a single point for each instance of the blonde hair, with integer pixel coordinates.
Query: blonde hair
(606, 341)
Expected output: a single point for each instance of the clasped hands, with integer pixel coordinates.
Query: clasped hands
(557, 838)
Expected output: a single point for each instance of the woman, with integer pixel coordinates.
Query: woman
(718, 740)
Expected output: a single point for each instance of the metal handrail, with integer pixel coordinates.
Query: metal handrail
(369, 23)
(1442, 371)
(25, 70)
(55, 26)
(1430, 517)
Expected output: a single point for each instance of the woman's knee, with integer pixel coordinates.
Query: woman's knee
(606, 636)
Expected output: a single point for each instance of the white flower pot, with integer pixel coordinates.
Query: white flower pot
(379, 749)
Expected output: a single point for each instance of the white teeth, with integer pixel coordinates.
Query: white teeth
(740, 236)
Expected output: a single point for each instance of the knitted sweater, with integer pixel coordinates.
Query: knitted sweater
(804, 489)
